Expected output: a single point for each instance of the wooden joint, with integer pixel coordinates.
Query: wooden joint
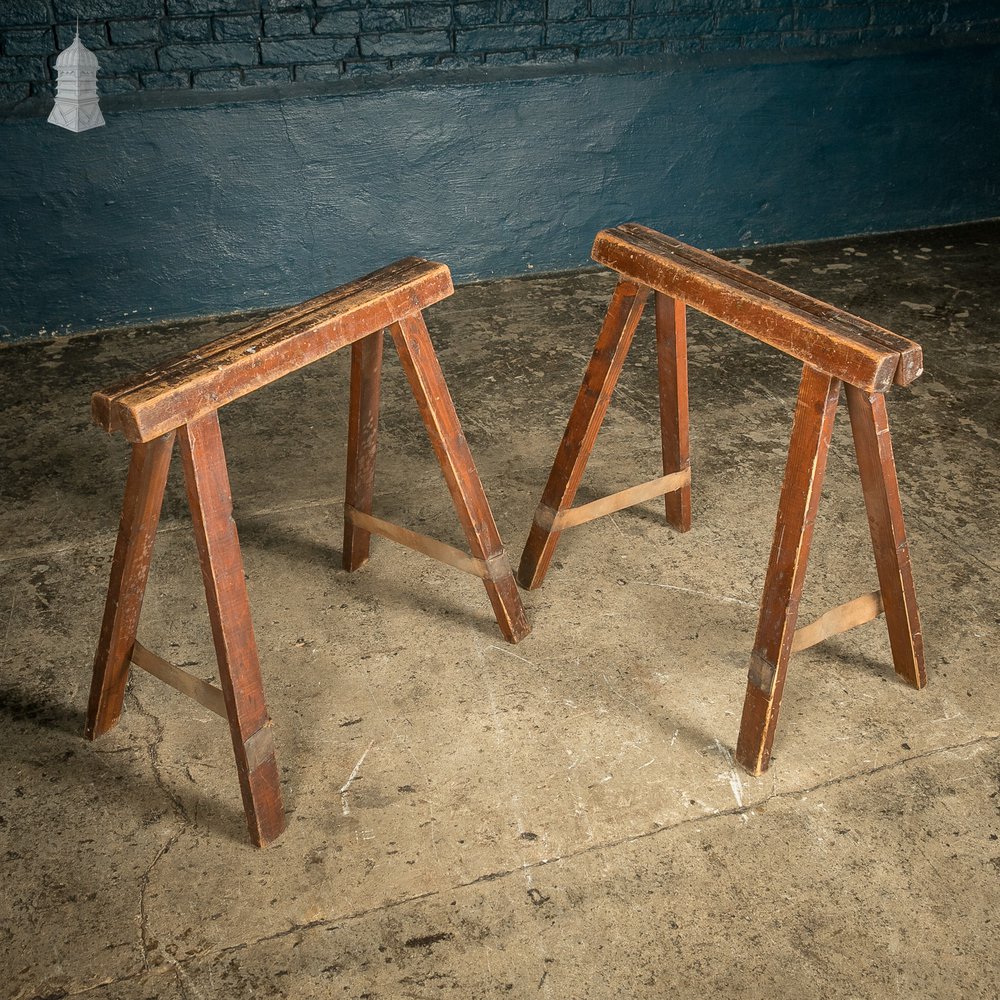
(424, 544)
(545, 517)
(497, 565)
(550, 520)
(762, 673)
(180, 680)
(259, 748)
(839, 619)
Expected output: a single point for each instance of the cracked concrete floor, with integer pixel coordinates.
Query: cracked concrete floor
(556, 819)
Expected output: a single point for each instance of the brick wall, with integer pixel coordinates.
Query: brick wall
(233, 44)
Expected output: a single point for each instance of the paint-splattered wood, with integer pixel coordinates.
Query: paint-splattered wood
(828, 339)
(202, 380)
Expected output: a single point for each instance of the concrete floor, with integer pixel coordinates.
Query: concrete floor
(557, 819)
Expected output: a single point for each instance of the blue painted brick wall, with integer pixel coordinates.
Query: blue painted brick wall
(233, 44)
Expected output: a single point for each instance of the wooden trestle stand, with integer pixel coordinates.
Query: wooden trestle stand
(182, 398)
(834, 347)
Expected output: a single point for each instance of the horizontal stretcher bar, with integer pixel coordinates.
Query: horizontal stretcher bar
(818, 334)
(552, 520)
(178, 391)
(259, 746)
(201, 691)
(839, 619)
(441, 551)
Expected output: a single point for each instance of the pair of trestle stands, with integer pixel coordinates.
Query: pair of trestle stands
(181, 399)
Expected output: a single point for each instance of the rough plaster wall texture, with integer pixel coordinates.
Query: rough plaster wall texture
(193, 211)
(221, 45)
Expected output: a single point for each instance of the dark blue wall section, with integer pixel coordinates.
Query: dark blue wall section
(194, 210)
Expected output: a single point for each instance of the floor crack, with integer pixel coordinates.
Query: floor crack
(147, 943)
(187, 986)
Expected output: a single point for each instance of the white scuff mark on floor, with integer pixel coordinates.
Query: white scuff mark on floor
(652, 760)
(950, 712)
(619, 696)
(347, 784)
(673, 739)
(500, 649)
(924, 307)
(580, 811)
(728, 598)
(732, 775)
(690, 800)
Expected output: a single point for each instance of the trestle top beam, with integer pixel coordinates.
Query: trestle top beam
(178, 391)
(828, 339)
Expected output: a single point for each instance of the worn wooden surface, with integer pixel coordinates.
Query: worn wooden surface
(816, 333)
(147, 477)
(202, 380)
(209, 497)
(180, 680)
(800, 492)
(424, 544)
(837, 620)
(877, 468)
(362, 438)
(438, 411)
(613, 342)
(570, 517)
(671, 357)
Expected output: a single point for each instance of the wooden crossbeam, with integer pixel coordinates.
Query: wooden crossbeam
(196, 383)
(180, 680)
(552, 520)
(441, 551)
(822, 336)
(839, 619)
